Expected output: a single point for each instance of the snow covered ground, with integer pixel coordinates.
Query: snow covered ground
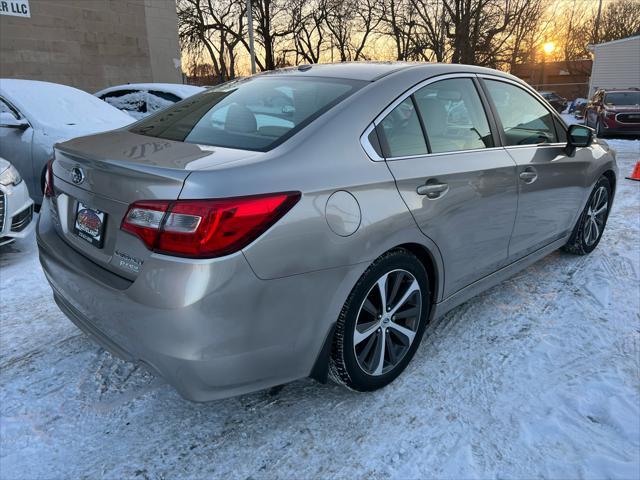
(538, 377)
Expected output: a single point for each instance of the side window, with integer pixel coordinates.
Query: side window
(6, 109)
(453, 116)
(524, 119)
(401, 133)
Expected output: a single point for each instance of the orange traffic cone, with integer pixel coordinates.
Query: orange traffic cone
(636, 172)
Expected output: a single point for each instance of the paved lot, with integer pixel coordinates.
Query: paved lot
(539, 376)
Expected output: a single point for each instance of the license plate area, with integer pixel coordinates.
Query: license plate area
(89, 224)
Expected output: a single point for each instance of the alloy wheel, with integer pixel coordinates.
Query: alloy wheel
(596, 216)
(387, 322)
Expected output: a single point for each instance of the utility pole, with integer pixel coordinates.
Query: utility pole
(252, 51)
(596, 29)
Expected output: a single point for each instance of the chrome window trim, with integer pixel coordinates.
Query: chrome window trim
(452, 152)
(536, 145)
(366, 145)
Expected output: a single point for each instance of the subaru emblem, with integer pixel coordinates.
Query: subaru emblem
(77, 175)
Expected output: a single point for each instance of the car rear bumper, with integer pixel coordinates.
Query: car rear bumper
(215, 331)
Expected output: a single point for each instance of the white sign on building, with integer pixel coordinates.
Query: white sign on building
(15, 8)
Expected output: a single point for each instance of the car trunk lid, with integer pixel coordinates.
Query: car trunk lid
(96, 178)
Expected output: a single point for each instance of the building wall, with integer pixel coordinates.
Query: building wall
(568, 79)
(616, 64)
(162, 33)
(91, 44)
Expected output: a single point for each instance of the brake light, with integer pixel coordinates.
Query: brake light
(48, 179)
(205, 228)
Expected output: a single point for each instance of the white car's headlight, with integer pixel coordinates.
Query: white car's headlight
(10, 176)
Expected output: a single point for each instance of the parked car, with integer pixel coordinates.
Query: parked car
(555, 100)
(238, 256)
(16, 207)
(142, 99)
(578, 106)
(35, 115)
(614, 112)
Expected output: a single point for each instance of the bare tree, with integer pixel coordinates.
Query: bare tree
(431, 30)
(620, 19)
(274, 25)
(350, 24)
(214, 29)
(479, 30)
(310, 34)
(526, 34)
(495, 33)
(399, 17)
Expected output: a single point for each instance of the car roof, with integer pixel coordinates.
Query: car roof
(367, 71)
(372, 71)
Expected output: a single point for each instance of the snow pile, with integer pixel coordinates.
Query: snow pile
(537, 378)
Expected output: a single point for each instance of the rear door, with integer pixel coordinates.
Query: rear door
(550, 183)
(460, 187)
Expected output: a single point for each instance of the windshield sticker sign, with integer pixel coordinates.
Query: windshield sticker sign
(15, 8)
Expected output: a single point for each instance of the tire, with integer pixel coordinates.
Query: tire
(586, 236)
(356, 364)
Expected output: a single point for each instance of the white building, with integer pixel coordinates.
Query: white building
(616, 64)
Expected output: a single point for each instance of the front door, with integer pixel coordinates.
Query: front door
(550, 182)
(460, 188)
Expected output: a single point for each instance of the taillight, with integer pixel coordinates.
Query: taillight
(48, 179)
(205, 228)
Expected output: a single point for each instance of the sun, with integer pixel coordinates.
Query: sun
(549, 47)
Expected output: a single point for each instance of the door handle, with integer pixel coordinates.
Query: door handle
(432, 190)
(529, 175)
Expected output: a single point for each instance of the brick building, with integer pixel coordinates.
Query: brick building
(568, 79)
(90, 44)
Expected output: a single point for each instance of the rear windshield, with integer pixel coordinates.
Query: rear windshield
(250, 114)
(622, 98)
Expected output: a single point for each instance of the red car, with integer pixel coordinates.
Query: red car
(614, 112)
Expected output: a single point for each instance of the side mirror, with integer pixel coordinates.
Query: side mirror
(578, 136)
(9, 121)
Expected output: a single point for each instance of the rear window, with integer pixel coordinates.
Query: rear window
(251, 114)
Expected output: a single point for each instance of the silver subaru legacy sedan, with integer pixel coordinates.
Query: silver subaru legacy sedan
(312, 221)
